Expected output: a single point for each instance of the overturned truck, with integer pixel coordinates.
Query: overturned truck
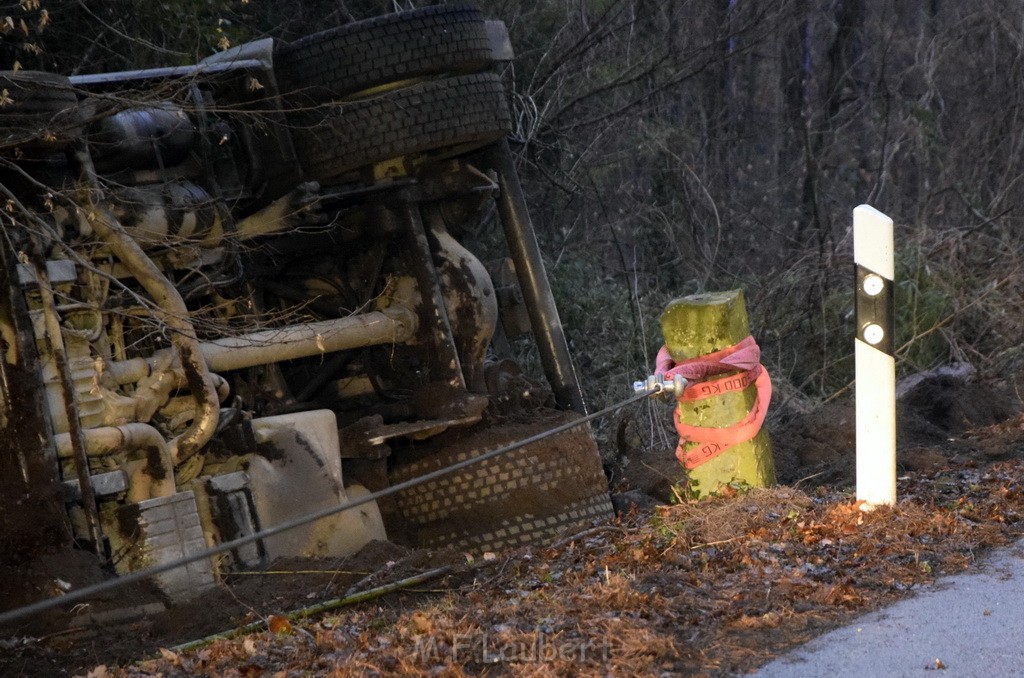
(236, 293)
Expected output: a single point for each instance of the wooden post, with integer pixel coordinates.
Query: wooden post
(698, 325)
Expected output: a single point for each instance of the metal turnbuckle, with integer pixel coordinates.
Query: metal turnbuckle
(657, 385)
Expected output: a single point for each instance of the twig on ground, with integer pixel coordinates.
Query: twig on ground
(319, 608)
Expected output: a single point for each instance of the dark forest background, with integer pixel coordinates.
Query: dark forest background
(671, 147)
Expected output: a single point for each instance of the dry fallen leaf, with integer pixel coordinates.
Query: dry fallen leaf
(421, 623)
(170, 655)
(278, 624)
(770, 582)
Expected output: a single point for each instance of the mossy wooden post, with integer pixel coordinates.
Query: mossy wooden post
(698, 325)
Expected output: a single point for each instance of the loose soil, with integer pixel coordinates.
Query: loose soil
(709, 588)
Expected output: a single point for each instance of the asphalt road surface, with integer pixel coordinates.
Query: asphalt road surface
(965, 625)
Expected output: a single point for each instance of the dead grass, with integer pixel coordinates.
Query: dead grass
(722, 585)
(715, 522)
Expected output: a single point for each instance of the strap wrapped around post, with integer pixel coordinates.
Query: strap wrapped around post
(741, 366)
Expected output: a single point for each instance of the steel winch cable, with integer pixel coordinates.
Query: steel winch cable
(140, 575)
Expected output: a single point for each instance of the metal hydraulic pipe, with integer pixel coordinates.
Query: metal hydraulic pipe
(100, 442)
(525, 252)
(173, 313)
(390, 326)
(135, 370)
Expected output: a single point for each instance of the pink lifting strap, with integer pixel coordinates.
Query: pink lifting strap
(742, 363)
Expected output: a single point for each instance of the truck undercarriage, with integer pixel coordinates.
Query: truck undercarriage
(237, 293)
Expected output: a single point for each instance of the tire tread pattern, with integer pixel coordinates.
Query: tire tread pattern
(530, 494)
(460, 112)
(364, 54)
(522, 529)
(38, 109)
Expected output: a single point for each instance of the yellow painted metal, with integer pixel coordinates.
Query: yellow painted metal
(698, 325)
(382, 89)
(391, 168)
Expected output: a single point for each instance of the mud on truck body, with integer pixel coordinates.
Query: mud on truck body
(235, 293)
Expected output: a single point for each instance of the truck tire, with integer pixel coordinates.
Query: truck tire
(532, 494)
(517, 529)
(454, 115)
(364, 54)
(37, 110)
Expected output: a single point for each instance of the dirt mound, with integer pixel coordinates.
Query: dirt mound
(132, 622)
(645, 463)
(936, 422)
(940, 417)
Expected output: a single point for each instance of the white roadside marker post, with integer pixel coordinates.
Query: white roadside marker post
(874, 347)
